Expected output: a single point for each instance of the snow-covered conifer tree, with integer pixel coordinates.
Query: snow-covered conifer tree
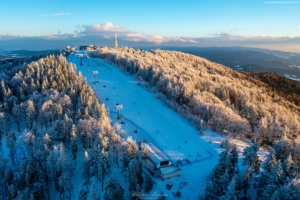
(149, 183)
(251, 157)
(86, 169)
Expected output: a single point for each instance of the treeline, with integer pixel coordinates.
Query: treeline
(62, 117)
(277, 85)
(7, 64)
(210, 94)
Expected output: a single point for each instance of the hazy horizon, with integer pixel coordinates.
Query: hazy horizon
(33, 25)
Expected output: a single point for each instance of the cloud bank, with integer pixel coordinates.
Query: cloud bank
(103, 35)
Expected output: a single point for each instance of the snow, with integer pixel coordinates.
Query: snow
(157, 154)
(292, 77)
(157, 123)
(164, 125)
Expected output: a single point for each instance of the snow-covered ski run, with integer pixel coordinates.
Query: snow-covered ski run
(152, 120)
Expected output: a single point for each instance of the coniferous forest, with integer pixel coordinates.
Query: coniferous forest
(48, 116)
(261, 107)
(52, 123)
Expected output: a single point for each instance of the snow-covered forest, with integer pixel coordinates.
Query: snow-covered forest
(51, 124)
(58, 142)
(276, 178)
(210, 94)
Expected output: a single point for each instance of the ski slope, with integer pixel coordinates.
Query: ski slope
(165, 126)
(156, 122)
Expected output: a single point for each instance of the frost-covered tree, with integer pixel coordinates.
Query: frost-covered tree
(65, 183)
(113, 191)
(149, 183)
(231, 192)
(251, 157)
(210, 191)
(30, 113)
(86, 169)
(17, 114)
(82, 194)
(270, 161)
(74, 141)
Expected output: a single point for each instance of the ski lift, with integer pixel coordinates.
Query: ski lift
(107, 98)
(88, 65)
(88, 70)
(135, 131)
(117, 104)
(122, 122)
(104, 85)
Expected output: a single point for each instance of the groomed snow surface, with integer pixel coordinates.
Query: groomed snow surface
(155, 122)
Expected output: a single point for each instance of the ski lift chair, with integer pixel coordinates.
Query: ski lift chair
(122, 122)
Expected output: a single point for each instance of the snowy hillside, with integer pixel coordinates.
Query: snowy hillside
(61, 136)
(155, 122)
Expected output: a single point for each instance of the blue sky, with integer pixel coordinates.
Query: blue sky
(265, 24)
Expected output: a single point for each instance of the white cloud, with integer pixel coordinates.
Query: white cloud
(103, 35)
(57, 14)
(108, 30)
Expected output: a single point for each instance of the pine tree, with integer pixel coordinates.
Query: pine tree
(104, 164)
(288, 167)
(30, 112)
(245, 185)
(234, 156)
(206, 116)
(11, 144)
(210, 190)
(2, 123)
(251, 157)
(276, 175)
(93, 193)
(86, 169)
(231, 193)
(149, 183)
(113, 191)
(34, 129)
(82, 194)
(17, 115)
(65, 183)
(226, 179)
(283, 148)
(270, 161)
(9, 177)
(74, 141)
(47, 141)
